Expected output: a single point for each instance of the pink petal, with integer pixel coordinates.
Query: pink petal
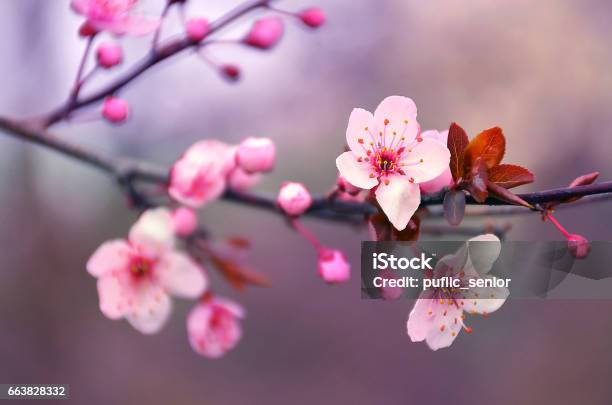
(80, 6)
(359, 120)
(180, 275)
(437, 184)
(153, 233)
(397, 110)
(110, 256)
(484, 300)
(446, 323)
(399, 200)
(139, 26)
(420, 320)
(440, 136)
(356, 173)
(151, 309)
(483, 251)
(426, 160)
(113, 300)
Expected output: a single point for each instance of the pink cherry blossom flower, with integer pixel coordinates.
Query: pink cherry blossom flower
(265, 33)
(197, 29)
(438, 314)
(200, 175)
(333, 266)
(256, 155)
(294, 198)
(313, 17)
(388, 155)
(137, 276)
(115, 110)
(446, 178)
(213, 326)
(109, 55)
(114, 16)
(185, 221)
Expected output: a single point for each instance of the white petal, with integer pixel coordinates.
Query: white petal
(359, 120)
(426, 160)
(483, 252)
(447, 325)
(401, 112)
(356, 173)
(440, 136)
(484, 300)
(399, 200)
(180, 275)
(111, 255)
(420, 320)
(153, 233)
(151, 309)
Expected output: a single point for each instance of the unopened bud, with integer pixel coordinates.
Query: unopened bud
(109, 54)
(578, 246)
(265, 33)
(313, 17)
(256, 155)
(197, 29)
(294, 198)
(115, 110)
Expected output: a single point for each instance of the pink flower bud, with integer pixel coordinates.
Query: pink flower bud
(185, 221)
(87, 30)
(294, 198)
(197, 29)
(333, 267)
(313, 17)
(231, 72)
(346, 187)
(256, 155)
(265, 33)
(240, 180)
(578, 246)
(213, 327)
(115, 110)
(109, 54)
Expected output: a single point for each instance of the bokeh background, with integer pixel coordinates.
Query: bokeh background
(541, 70)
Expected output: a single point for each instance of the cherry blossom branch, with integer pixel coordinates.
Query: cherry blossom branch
(127, 172)
(157, 55)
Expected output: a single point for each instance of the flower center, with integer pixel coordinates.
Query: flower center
(140, 266)
(386, 161)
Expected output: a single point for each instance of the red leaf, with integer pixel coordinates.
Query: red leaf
(509, 176)
(239, 276)
(479, 178)
(488, 146)
(506, 195)
(584, 180)
(382, 230)
(456, 144)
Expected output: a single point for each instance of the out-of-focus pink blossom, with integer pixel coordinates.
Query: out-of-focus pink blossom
(333, 266)
(109, 54)
(387, 155)
(137, 276)
(438, 315)
(230, 72)
(446, 178)
(256, 155)
(213, 326)
(197, 29)
(114, 16)
(240, 180)
(199, 176)
(265, 33)
(313, 17)
(578, 245)
(115, 110)
(185, 221)
(294, 198)
(387, 292)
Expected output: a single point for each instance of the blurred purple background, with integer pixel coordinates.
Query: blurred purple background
(541, 70)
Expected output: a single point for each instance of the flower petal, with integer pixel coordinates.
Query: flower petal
(112, 298)
(483, 252)
(447, 323)
(356, 173)
(401, 113)
(359, 120)
(151, 309)
(111, 255)
(484, 300)
(426, 160)
(399, 200)
(419, 320)
(180, 275)
(153, 233)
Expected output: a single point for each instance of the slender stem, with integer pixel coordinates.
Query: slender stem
(153, 58)
(302, 230)
(79, 80)
(558, 225)
(157, 33)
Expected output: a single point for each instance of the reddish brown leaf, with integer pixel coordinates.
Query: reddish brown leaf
(489, 146)
(478, 181)
(509, 176)
(239, 276)
(457, 142)
(584, 180)
(239, 242)
(410, 233)
(454, 206)
(506, 195)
